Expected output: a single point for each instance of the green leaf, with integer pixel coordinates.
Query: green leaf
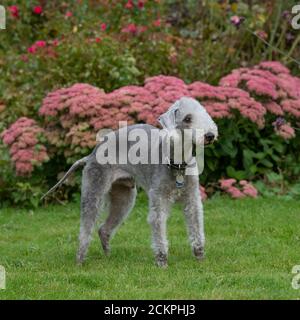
(274, 177)
(253, 169)
(210, 164)
(236, 174)
(266, 163)
(229, 148)
(278, 147)
(247, 158)
(258, 155)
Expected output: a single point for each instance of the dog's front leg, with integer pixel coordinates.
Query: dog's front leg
(193, 211)
(158, 215)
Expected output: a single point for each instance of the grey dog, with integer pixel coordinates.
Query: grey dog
(163, 182)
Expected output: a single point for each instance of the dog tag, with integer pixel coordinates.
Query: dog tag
(179, 181)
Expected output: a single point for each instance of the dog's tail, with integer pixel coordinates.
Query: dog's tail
(76, 165)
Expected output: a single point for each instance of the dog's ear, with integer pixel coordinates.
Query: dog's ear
(168, 119)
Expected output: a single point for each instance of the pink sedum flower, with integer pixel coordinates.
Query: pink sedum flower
(227, 183)
(203, 193)
(272, 89)
(250, 191)
(235, 193)
(286, 131)
(244, 189)
(22, 137)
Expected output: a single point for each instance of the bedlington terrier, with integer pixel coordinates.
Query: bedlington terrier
(164, 181)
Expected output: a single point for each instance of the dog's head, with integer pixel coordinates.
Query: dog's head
(188, 113)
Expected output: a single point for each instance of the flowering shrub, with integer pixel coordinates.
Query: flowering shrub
(23, 137)
(159, 92)
(221, 102)
(238, 190)
(96, 109)
(273, 84)
(72, 116)
(116, 45)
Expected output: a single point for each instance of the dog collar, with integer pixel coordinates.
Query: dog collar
(180, 168)
(177, 166)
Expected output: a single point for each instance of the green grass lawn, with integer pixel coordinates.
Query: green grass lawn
(251, 248)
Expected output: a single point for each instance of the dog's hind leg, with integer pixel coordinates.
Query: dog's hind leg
(95, 185)
(122, 198)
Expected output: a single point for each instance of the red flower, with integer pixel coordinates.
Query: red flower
(55, 42)
(157, 23)
(98, 40)
(24, 57)
(32, 49)
(141, 4)
(103, 26)
(38, 10)
(129, 4)
(41, 43)
(68, 14)
(142, 29)
(14, 11)
(131, 28)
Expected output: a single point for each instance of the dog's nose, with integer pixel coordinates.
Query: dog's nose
(209, 137)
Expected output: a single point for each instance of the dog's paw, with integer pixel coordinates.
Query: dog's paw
(104, 239)
(79, 260)
(199, 253)
(161, 260)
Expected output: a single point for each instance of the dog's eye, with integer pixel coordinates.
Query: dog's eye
(188, 119)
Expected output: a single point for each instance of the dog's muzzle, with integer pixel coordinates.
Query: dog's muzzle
(209, 138)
